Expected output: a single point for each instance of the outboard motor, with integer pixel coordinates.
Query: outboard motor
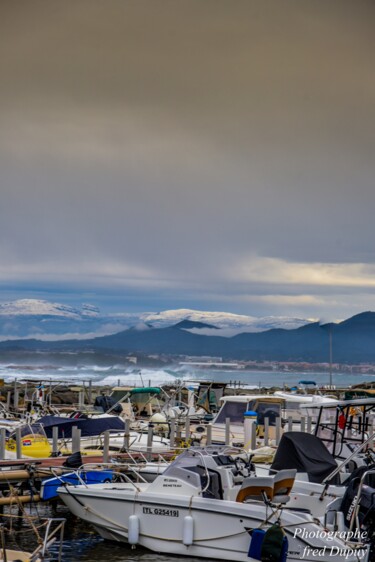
(74, 460)
(366, 503)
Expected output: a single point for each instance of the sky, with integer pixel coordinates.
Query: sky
(203, 154)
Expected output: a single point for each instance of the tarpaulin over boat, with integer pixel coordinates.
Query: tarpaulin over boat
(306, 453)
(106, 403)
(88, 426)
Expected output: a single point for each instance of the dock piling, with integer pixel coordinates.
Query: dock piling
(150, 435)
(209, 435)
(18, 443)
(76, 439)
(187, 428)
(55, 441)
(127, 435)
(172, 433)
(106, 447)
(227, 431)
(266, 431)
(2, 443)
(278, 430)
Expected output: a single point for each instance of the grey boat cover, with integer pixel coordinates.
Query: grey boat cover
(306, 453)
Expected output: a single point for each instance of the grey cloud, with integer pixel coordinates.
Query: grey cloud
(178, 139)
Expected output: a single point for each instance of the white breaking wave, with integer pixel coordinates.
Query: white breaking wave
(147, 377)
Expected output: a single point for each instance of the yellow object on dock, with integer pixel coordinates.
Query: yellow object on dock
(34, 445)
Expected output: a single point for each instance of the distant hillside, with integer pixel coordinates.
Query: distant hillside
(190, 325)
(353, 341)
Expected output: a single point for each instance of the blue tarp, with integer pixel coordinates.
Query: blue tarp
(49, 487)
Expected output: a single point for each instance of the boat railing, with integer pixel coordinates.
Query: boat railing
(126, 478)
(70, 470)
(339, 468)
(110, 465)
(141, 457)
(357, 505)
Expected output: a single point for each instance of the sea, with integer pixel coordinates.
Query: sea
(118, 375)
(81, 542)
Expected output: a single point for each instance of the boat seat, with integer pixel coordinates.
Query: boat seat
(127, 411)
(283, 483)
(256, 488)
(214, 489)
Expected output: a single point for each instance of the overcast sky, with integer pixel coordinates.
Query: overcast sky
(208, 154)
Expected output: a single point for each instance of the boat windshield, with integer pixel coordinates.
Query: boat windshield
(232, 410)
(35, 429)
(270, 410)
(187, 459)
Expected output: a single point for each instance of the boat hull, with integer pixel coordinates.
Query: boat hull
(216, 529)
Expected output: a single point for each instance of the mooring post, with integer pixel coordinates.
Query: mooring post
(76, 439)
(55, 441)
(15, 395)
(253, 444)
(266, 431)
(150, 434)
(209, 434)
(172, 434)
(303, 424)
(278, 430)
(127, 435)
(187, 428)
(290, 423)
(2, 443)
(178, 433)
(18, 443)
(106, 447)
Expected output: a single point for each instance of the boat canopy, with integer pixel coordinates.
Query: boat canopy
(89, 426)
(146, 390)
(306, 453)
(307, 382)
(265, 407)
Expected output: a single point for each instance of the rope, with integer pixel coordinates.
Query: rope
(25, 514)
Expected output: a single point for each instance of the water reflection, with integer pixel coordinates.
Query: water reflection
(81, 542)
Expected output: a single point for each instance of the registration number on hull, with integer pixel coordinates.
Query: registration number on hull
(161, 511)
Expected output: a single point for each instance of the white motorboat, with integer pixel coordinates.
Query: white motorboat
(196, 508)
(234, 408)
(299, 396)
(320, 480)
(343, 425)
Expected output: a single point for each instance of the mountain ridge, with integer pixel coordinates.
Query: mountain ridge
(353, 342)
(29, 318)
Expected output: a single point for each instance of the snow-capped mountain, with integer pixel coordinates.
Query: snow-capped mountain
(224, 320)
(36, 307)
(40, 319)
